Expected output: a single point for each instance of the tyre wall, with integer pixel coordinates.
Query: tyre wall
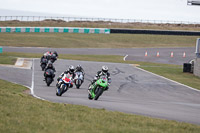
(55, 30)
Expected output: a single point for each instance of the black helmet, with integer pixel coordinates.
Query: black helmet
(71, 68)
(105, 69)
(50, 64)
(79, 67)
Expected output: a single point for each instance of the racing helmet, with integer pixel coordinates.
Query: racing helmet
(50, 64)
(71, 68)
(54, 52)
(105, 69)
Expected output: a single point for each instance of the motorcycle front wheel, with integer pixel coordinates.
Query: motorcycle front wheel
(98, 92)
(49, 81)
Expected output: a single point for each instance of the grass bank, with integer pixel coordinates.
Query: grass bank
(101, 24)
(20, 112)
(174, 72)
(4, 59)
(73, 40)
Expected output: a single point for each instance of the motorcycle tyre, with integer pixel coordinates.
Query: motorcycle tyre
(98, 93)
(43, 67)
(48, 81)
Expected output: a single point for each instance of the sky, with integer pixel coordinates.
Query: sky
(173, 10)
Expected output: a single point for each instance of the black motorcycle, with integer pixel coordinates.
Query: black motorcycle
(49, 75)
(43, 64)
(53, 58)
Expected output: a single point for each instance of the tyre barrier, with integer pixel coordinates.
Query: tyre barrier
(156, 32)
(95, 31)
(54, 30)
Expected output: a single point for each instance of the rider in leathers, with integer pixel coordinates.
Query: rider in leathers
(80, 69)
(70, 70)
(104, 71)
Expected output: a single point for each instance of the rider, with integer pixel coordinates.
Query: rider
(80, 69)
(56, 54)
(104, 71)
(49, 66)
(70, 70)
(48, 55)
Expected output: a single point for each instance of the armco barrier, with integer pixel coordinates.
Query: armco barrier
(157, 32)
(54, 30)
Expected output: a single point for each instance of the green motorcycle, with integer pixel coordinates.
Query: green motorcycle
(98, 88)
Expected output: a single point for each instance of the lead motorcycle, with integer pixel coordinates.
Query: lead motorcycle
(64, 84)
(98, 88)
(43, 64)
(78, 80)
(49, 75)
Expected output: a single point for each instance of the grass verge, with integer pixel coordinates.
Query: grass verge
(100, 24)
(4, 59)
(174, 72)
(20, 112)
(72, 40)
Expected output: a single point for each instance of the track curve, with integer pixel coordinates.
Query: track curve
(132, 91)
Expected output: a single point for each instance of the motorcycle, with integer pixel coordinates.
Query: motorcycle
(64, 84)
(98, 88)
(43, 64)
(78, 80)
(49, 75)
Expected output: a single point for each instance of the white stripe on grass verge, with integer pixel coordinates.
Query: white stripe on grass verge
(125, 57)
(168, 79)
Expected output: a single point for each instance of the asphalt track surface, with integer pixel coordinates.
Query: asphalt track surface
(132, 91)
(136, 54)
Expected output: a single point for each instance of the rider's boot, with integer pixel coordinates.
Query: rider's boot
(90, 88)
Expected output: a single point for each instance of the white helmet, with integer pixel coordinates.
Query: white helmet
(105, 69)
(71, 68)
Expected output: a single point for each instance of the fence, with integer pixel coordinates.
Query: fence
(68, 19)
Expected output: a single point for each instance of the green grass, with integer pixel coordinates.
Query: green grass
(20, 112)
(4, 59)
(174, 72)
(73, 40)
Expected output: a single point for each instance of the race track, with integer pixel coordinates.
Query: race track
(136, 54)
(132, 91)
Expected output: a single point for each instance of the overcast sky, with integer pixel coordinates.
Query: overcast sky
(177, 10)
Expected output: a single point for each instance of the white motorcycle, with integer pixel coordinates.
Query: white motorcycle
(64, 84)
(78, 80)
